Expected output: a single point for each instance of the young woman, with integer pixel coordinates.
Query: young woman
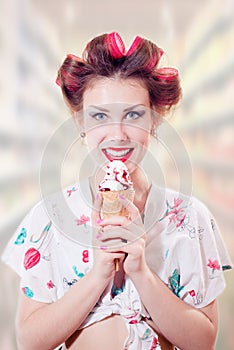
(169, 250)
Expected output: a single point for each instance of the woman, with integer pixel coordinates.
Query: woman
(169, 251)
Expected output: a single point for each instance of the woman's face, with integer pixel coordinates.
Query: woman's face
(117, 120)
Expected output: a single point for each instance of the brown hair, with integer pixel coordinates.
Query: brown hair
(105, 56)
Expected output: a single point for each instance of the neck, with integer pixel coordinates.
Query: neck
(140, 181)
(142, 186)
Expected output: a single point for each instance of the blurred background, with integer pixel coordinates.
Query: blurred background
(35, 37)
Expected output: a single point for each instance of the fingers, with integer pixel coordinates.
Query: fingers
(96, 209)
(128, 233)
(122, 220)
(114, 232)
(117, 237)
(132, 248)
(131, 208)
(95, 220)
(134, 214)
(105, 263)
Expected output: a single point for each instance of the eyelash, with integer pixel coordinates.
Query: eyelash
(97, 115)
(137, 115)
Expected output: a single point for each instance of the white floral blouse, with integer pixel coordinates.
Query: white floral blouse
(51, 250)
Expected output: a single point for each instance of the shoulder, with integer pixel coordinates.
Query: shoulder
(194, 252)
(173, 209)
(46, 220)
(182, 213)
(187, 201)
(60, 203)
(197, 227)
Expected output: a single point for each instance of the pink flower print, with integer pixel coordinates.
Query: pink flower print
(197, 297)
(214, 265)
(177, 216)
(71, 190)
(82, 220)
(50, 284)
(154, 343)
(31, 258)
(177, 202)
(192, 293)
(134, 322)
(85, 256)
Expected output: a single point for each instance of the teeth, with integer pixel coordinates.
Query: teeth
(115, 153)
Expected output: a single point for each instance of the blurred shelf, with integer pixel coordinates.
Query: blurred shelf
(211, 166)
(11, 139)
(18, 138)
(15, 178)
(13, 220)
(219, 210)
(214, 81)
(208, 123)
(221, 25)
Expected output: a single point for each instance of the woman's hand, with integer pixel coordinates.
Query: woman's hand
(125, 235)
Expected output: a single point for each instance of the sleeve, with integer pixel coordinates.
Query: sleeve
(29, 253)
(200, 257)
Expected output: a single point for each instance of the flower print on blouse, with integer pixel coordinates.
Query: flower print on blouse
(191, 250)
(175, 212)
(174, 283)
(183, 247)
(20, 239)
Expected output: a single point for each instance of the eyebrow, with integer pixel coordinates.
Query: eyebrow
(125, 110)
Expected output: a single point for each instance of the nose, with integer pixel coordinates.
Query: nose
(117, 131)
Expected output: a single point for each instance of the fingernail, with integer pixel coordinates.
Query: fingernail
(121, 196)
(103, 247)
(99, 236)
(99, 221)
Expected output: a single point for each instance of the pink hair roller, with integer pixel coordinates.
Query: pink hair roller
(166, 73)
(58, 81)
(154, 59)
(135, 44)
(71, 57)
(71, 83)
(74, 57)
(160, 53)
(116, 45)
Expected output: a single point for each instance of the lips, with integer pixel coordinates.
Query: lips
(115, 153)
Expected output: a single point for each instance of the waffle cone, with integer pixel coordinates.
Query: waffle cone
(112, 206)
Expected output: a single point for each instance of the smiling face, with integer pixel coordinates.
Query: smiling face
(117, 120)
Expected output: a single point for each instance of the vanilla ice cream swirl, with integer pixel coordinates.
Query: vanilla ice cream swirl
(116, 178)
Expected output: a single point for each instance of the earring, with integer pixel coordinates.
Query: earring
(82, 134)
(153, 132)
(83, 138)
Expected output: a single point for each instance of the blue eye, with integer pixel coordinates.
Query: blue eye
(100, 116)
(134, 115)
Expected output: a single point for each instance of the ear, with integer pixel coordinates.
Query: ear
(156, 119)
(79, 121)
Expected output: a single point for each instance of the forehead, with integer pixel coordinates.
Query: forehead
(104, 91)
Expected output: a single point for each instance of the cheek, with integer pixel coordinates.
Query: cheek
(142, 137)
(93, 138)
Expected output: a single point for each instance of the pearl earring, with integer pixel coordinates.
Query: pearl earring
(82, 134)
(153, 132)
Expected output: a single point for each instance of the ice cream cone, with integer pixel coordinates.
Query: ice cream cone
(112, 206)
(116, 183)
